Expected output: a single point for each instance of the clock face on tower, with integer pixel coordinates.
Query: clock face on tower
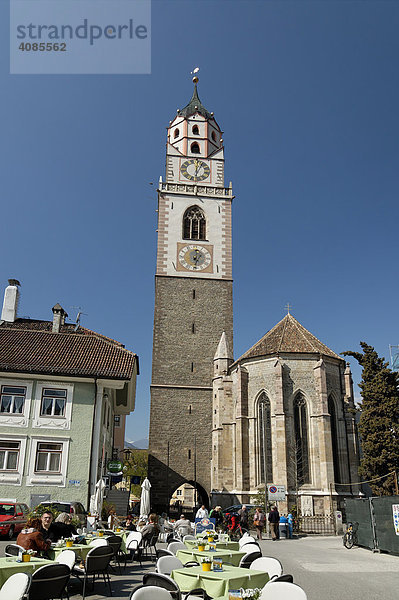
(195, 169)
(193, 257)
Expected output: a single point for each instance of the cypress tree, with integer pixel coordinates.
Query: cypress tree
(379, 420)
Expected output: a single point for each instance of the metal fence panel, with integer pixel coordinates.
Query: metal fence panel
(317, 524)
(386, 535)
(358, 511)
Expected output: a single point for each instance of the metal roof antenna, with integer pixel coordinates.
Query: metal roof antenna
(80, 313)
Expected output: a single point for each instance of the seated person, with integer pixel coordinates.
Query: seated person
(151, 531)
(31, 538)
(47, 530)
(128, 524)
(183, 526)
(63, 527)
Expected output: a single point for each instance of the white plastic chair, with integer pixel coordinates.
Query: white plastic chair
(280, 590)
(189, 537)
(250, 548)
(166, 564)
(15, 587)
(246, 539)
(151, 592)
(98, 542)
(66, 557)
(269, 564)
(175, 546)
(134, 536)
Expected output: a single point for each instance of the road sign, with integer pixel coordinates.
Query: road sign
(275, 492)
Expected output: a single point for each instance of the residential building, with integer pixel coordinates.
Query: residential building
(61, 388)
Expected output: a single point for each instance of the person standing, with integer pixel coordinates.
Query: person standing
(202, 513)
(243, 514)
(274, 520)
(216, 513)
(259, 522)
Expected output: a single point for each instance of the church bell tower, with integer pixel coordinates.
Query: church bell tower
(193, 302)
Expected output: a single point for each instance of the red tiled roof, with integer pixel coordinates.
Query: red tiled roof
(288, 336)
(31, 346)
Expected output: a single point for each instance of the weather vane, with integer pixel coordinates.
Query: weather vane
(194, 72)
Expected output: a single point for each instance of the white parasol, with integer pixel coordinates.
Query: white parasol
(145, 504)
(96, 501)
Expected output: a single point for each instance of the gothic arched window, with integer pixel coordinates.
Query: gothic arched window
(195, 149)
(176, 133)
(334, 437)
(195, 130)
(214, 136)
(194, 224)
(265, 440)
(301, 450)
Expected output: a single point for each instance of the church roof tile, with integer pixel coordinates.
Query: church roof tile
(288, 337)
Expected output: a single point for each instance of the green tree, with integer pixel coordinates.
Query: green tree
(136, 464)
(379, 420)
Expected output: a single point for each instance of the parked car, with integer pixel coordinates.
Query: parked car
(75, 509)
(13, 518)
(236, 507)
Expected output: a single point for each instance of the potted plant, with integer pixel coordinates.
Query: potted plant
(27, 555)
(252, 594)
(201, 546)
(69, 542)
(206, 563)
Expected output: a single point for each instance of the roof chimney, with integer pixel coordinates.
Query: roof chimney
(59, 316)
(10, 304)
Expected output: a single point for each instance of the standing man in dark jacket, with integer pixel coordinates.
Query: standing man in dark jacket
(274, 520)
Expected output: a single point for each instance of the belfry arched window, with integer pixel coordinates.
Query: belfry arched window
(176, 133)
(195, 130)
(265, 461)
(334, 437)
(195, 149)
(194, 224)
(301, 450)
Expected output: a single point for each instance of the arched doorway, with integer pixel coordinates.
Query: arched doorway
(186, 498)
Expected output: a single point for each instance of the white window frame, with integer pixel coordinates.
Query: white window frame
(49, 452)
(17, 419)
(14, 477)
(40, 421)
(44, 477)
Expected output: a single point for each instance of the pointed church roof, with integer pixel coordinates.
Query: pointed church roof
(288, 336)
(195, 106)
(223, 348)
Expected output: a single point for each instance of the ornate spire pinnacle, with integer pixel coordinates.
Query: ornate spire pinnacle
(195, 105)
(223, 348)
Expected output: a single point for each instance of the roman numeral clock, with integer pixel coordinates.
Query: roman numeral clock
(193, 302)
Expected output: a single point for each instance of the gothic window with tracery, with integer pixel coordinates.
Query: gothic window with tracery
(194, 224)
(265, 440)
(334, 438)
(301, 440)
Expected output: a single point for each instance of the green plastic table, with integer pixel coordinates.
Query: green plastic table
(191, 544)
(228, 556)
(9, 566)
(218, 583)
(81, 551)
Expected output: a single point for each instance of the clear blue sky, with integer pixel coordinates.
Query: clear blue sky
(307, 94)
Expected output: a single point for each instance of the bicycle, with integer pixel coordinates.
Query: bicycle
(350, 536)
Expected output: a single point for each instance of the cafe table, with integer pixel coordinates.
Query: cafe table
(191, 544)
(81, 550)
(218, 583)
(9, 566)
(228, 556)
